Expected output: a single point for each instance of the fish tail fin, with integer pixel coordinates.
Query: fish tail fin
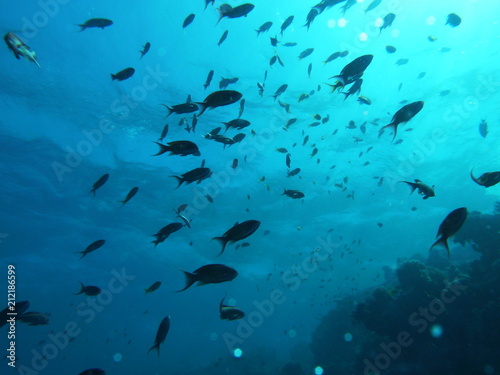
(163, 149)
(191, 278)
(179, 180)
(223, 241)
(412, 185)
(122, 202)
(394, 128)
(203, 108)
(474, 178)
(221, 16)
(157, 347)
(168, 109)
(442, 241)
(81, 290)
(81, 252)
(82, 27)
(346, 95)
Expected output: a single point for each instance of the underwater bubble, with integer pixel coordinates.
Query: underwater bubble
(237, 353)
(363, 37)
(430, 20)
(379, 22)
(331, 23)
(348, 337)
(117, 357)
(214, 336)
(342, 22)
(318, 370)
(436, 331)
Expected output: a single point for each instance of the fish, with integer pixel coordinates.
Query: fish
(19, 48)
(19, 308)
(209, 198)
(123, 74)
(403, 115)
(444, 93)
(197, 174)
(130, 195)
(274, 41)
(294, 194)
(280, 91)
(402, 62)
(290, 44)
(209, 79)
(221, 139)
(388, 20)
(309, 70)
(194, 122)
(421, 75)
(487, 179)
(313, 13)
(234, 165)
(390, 49)
(285, 106)
(354, 89)
(92, 247)
(273, 60)
(223, 37)
(451, 225)
(348, 4)
(286, 24)
(209, 274)
(182, 217)
(453, 20)
(101, 181)
(352, 71)
(153, 287)
(261, 87)
(228, 11)
(280, 61)
(242, 107)
(145, 49)
(189, 19)
(483, 128)
(161, 334)
(422, 188)
(238, 232)
(294, 172)
(314, 152)
(237, 124)
(303, 97)
(264, 28)
(288, 160)
(332, 57)
(306, 53)
(181, 148)
(373, 5)
(208, 2)
(93, 371)
(281, 150)
(229, 312)
(89, 290)
(96, 22)
(33, 318)
(219, 99)
(165, 232)
(306, 138)
(344, 53)
(180, 109)
(224, 82)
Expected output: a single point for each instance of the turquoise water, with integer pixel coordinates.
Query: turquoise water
(66, 124)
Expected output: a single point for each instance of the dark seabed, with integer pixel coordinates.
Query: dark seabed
(278, 146)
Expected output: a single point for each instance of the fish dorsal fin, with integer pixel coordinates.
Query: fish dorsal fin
(417, 180)
(189, 100)
(202, 163)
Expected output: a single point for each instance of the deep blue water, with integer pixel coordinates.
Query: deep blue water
(67, 123)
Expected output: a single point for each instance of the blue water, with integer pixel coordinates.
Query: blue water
(50, 162)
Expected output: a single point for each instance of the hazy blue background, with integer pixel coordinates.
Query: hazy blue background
(46, 219)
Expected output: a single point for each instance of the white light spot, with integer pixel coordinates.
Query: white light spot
(331, 23)
(379, 22)
(237, 353)
(214, 336)
(348, 337)
(436, 331)
(395, 33)
(292, 333)
(363, 37)
(430, 20)
(318, 370)
(117, 357)
(342, 22)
